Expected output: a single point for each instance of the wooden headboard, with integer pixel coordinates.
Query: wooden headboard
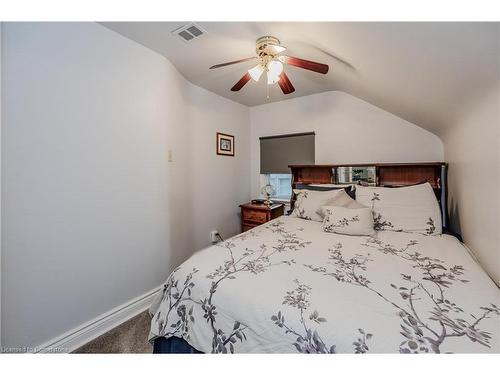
(386, 174)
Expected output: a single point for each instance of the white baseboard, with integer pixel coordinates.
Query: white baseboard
(74, 338)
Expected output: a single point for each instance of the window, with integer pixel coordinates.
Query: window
(282, 184)
(277, 152)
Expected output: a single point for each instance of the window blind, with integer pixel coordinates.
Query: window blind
(278, 152)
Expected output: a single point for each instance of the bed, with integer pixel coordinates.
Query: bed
(290, 287)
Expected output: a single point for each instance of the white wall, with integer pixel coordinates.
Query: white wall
(93, 214)
(348, 130)
(472, 147)
(215, 174)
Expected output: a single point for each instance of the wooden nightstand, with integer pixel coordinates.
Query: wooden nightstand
(253, 214)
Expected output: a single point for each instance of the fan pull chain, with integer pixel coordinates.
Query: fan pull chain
(267, 88)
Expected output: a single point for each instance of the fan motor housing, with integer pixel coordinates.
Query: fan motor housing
(268, 46)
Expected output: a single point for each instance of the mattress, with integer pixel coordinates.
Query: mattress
(289, 287)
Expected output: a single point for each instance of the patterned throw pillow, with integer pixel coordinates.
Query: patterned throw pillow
(351, 221)
(342, 199)
(309, 201)
(407, 209)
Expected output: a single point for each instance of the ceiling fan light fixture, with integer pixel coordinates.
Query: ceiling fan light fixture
(256, 72)
(268, 51)
(274, 50)
(274, 70)
(280, 49)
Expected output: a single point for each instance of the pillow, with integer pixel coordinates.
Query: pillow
(327, 187)
(342, 199)
(309, 201)
(351, 221)
(398, 186)
(409, 209)
(323, 187)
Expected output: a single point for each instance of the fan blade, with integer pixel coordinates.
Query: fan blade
(242, 82)
(305, 64)
(232, 62)
(285, 84)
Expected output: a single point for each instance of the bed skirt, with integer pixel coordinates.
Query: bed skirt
(173, 345)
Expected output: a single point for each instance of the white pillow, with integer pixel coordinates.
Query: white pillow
(351, 221)
(309, 201)
(342, 199)
(409, 209)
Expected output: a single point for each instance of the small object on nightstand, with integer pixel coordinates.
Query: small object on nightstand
(254, 214)
(268, 191)
(258, 201)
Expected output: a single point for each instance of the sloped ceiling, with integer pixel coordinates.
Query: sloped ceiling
(425, 73)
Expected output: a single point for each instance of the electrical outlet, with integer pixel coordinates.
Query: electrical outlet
(214, 236)
(170, 156)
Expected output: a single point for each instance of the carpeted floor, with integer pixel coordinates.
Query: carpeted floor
(129, 337)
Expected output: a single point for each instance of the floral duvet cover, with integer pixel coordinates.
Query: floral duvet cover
(289, 287)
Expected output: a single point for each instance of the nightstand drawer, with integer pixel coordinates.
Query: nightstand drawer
(255, 216)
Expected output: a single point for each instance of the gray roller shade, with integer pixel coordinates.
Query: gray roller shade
(278, 152)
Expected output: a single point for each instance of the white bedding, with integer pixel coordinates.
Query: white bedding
(287, 286)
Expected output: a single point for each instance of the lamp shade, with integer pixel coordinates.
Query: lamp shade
(274, 69)
(256, 72)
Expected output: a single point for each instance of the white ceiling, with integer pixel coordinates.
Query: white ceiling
(422, 72)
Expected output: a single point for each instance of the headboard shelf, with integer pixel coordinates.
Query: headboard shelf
(386, 174)
(412, 165)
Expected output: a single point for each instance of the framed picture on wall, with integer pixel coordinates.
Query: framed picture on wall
(225, 144)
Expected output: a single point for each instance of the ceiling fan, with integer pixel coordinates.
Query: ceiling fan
(270, 60)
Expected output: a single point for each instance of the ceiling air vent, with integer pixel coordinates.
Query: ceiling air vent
(189, 32)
